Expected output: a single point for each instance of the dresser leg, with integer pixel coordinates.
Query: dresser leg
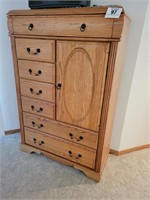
(89, 173)
(29, 149)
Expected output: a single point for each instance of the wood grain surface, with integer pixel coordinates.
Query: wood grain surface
(37, 90)
(40, 108)
(96, 26)
(68, 132)
(61, 147)
(46, 47)
(81, 69)
(37, 71)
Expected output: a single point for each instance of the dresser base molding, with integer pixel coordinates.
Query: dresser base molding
(88, 172)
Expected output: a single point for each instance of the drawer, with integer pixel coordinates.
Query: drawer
(77, 25)
(79, 136)
(41, 108)
(42, 91)
(36, 49)
(76, 153)
(37, 71)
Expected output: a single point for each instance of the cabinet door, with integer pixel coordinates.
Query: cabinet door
(81, 71)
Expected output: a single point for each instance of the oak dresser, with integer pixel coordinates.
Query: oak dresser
(67, 65)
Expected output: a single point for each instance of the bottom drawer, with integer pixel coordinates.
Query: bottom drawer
(60, 147)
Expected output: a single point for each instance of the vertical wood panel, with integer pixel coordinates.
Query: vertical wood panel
(15, 62)
(115, 65)
(105, 108)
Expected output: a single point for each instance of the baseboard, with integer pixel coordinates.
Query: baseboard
(114, 152)
(12, 131)
(119, 153)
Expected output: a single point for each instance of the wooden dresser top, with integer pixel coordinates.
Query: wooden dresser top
(62, 11)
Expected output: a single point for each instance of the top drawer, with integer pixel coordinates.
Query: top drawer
(79, 26)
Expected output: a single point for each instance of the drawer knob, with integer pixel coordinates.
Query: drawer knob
(34, 140)
(39, 143)
(30, 71)
(42, 142)
(78, 156)
(82, 27)
(35, 74)
(37, 93)
(38, 73)
(77, 139)
(58, 86)
(71, 136)
(30, 27)
(33, 53)
(36, 125)
(33, 109)
(80, 138)
(74, 156)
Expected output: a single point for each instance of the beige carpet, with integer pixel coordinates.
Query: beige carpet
(34, 177)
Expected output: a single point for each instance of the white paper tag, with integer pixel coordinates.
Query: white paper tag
(113, 12)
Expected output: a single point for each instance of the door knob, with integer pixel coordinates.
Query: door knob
(58, 86)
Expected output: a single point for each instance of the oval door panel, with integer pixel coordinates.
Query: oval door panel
(81, 68)
(80, 71)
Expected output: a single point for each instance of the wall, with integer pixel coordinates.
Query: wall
(1, 122)
(130, 127)
(7, 86)
(1, 117)
(148, 21)
(135, 127)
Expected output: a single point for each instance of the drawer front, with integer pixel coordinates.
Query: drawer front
(79, 136)
(81, 26)
(41, 108)
(37, 71)
(60, 147)
(42, 91)
(35, 49)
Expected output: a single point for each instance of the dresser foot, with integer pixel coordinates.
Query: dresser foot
(29, 149)
(89, 173)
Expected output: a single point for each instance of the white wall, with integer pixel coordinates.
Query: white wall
(148, 21)
(130, 130)
(1, 118)
(135, 127)
(1, 123)
(7, 86)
